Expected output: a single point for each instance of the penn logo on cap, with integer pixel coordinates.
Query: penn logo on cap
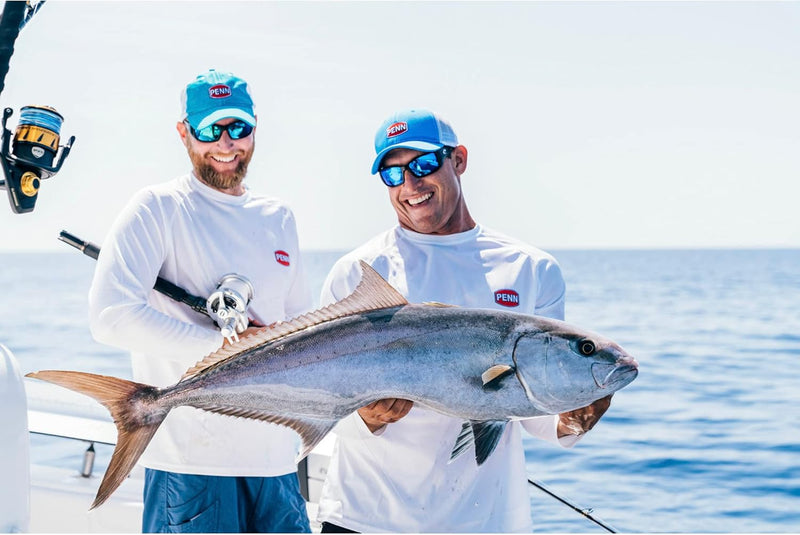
(506, 298)
(396, 129)
(282, 257)
(219, 91)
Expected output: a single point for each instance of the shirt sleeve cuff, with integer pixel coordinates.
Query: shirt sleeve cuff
(546, 428)
(353, 426)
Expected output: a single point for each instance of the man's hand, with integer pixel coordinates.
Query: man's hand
(580, 421)
(384, 411)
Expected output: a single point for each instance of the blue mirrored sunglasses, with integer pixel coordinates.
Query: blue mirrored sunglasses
(422, 165)
(236, 130)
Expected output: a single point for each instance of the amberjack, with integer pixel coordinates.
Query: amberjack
(486, 367)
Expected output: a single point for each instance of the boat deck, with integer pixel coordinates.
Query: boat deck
(61, 495)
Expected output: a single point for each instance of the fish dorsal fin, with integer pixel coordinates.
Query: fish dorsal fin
(372, 293)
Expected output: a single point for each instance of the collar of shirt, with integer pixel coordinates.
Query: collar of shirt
(441, 239)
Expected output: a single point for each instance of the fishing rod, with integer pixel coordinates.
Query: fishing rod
(35, 153)
(585, 512)
(11, 22)
(198, 304)
(13, 19)
(227, 306)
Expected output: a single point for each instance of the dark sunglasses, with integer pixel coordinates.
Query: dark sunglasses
(236, 130)
(422, 165)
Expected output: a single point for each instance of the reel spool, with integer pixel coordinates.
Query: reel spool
(34, 154)
(228, 305)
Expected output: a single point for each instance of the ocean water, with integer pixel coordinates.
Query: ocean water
(707, 439)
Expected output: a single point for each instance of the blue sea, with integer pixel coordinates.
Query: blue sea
(707, 439)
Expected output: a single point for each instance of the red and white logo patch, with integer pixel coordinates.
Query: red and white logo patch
(282, 257)
(219, 91)
(506, 298)
(396, 129)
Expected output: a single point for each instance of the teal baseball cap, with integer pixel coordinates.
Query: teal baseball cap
(416, 129)
(216, 95)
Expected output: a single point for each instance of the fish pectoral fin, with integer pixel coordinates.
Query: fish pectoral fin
(491, 378)
(487, 435)
(484, 434)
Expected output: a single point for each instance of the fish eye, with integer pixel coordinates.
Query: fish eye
(586, 347)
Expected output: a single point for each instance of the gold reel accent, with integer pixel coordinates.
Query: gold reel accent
(36, 134)
(29, 184)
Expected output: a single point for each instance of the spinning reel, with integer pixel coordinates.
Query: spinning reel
(34, 154)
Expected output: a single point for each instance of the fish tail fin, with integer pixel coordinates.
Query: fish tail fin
(136, 425)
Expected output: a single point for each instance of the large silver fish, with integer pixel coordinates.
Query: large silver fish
(485, 366)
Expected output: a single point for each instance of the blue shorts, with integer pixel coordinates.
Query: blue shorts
(186, 503)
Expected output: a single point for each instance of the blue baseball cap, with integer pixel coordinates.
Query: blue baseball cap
(216, 95)
(412, 129)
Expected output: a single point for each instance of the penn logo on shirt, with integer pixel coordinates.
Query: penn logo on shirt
(282, 257)
(396, 129)
(506, 298)
(219, 91)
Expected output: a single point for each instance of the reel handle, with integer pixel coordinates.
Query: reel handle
(228, 305)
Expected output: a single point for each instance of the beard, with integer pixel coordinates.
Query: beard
(217, 180)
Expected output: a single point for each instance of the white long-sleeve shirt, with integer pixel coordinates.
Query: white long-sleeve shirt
(192, 235)
(399, 479)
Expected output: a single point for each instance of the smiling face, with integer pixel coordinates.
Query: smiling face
(432, 204)
(220, 164)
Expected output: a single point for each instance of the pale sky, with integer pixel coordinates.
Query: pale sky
(588, 125)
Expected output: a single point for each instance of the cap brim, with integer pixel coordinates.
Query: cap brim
(218, 115)
(413, 145)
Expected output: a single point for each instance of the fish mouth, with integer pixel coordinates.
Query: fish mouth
(615, 376)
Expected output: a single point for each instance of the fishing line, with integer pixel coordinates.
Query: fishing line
(41, 116)
(37, 135)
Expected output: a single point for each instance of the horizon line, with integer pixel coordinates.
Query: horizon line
(610, 248)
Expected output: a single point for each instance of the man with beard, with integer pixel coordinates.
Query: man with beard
(205, 472)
